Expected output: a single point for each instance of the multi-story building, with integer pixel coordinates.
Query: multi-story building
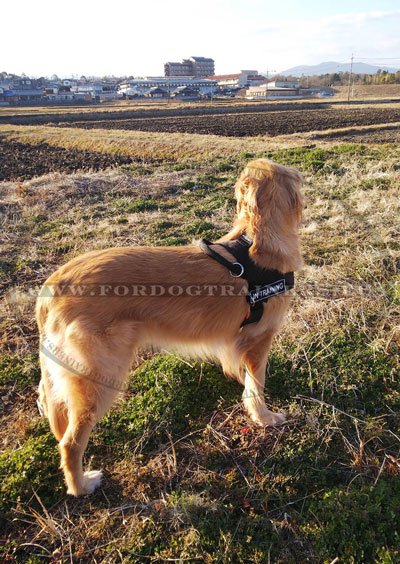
(202, 66)
(178, 69)
(199, 67)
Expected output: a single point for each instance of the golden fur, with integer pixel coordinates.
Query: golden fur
(89, 342)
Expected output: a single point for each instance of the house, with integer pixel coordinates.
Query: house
(156, 92)
(21, 91)
(186, 92)
(55, 94)
(25, 96)
(99, 91)
(68, 82)
(3, 101)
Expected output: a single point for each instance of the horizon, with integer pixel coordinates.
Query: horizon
(78, 77)
(260, 36)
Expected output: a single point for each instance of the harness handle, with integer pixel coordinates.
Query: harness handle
(236, 268)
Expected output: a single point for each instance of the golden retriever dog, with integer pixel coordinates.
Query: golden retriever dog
(95, 312)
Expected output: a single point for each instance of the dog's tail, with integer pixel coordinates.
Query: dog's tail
(54, 409)
(56, 412)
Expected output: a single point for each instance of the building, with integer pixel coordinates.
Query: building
(284, 84)
(3, 101)
(275, 91)
(243, 79)
(186, 93)
(202, 66)
(178, 69)
(198, 67)
(97, 90)
(22, 91)
(55, 94)
(156, 92)
(142, 86)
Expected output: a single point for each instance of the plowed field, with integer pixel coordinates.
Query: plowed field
(21, 161)
(254, 124)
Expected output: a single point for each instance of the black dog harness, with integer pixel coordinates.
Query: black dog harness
(263, 283)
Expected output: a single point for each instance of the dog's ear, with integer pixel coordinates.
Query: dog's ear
(293, 184)
(247, 196)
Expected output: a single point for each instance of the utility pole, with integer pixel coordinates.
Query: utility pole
(350, 77)
(266, 84)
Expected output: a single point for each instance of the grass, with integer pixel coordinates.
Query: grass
(150, 147)
(187, 478)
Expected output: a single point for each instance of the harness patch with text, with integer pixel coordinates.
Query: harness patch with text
(264, 292)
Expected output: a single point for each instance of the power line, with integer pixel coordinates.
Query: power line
(379, 58)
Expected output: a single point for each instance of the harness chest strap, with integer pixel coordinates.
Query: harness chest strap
(262, 283)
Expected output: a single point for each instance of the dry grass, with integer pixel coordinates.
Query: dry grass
(343, 131)
(141, 144)
(215, 490)
(371, 91)
(117, 105)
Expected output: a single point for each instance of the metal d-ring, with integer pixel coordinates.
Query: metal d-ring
(240, 273)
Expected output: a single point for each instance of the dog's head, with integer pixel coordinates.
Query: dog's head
(268, 192)
(269, 208)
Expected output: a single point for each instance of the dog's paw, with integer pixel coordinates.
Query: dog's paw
(266, 418)
(91, 480)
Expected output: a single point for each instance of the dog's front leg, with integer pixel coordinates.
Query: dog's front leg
(255, 361)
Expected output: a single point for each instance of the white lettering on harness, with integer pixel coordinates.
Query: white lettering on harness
(265, 292)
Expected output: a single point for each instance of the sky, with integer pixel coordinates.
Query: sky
(121, 37)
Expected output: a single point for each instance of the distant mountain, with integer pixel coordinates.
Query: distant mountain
(332, 66)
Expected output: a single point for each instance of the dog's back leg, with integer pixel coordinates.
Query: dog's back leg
(88, 400)
(87, 371)
(82, 416)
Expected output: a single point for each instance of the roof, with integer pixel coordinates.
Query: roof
(272, 88)
(183, 88)
(23, 93)
(224, 76)
(202, 59)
